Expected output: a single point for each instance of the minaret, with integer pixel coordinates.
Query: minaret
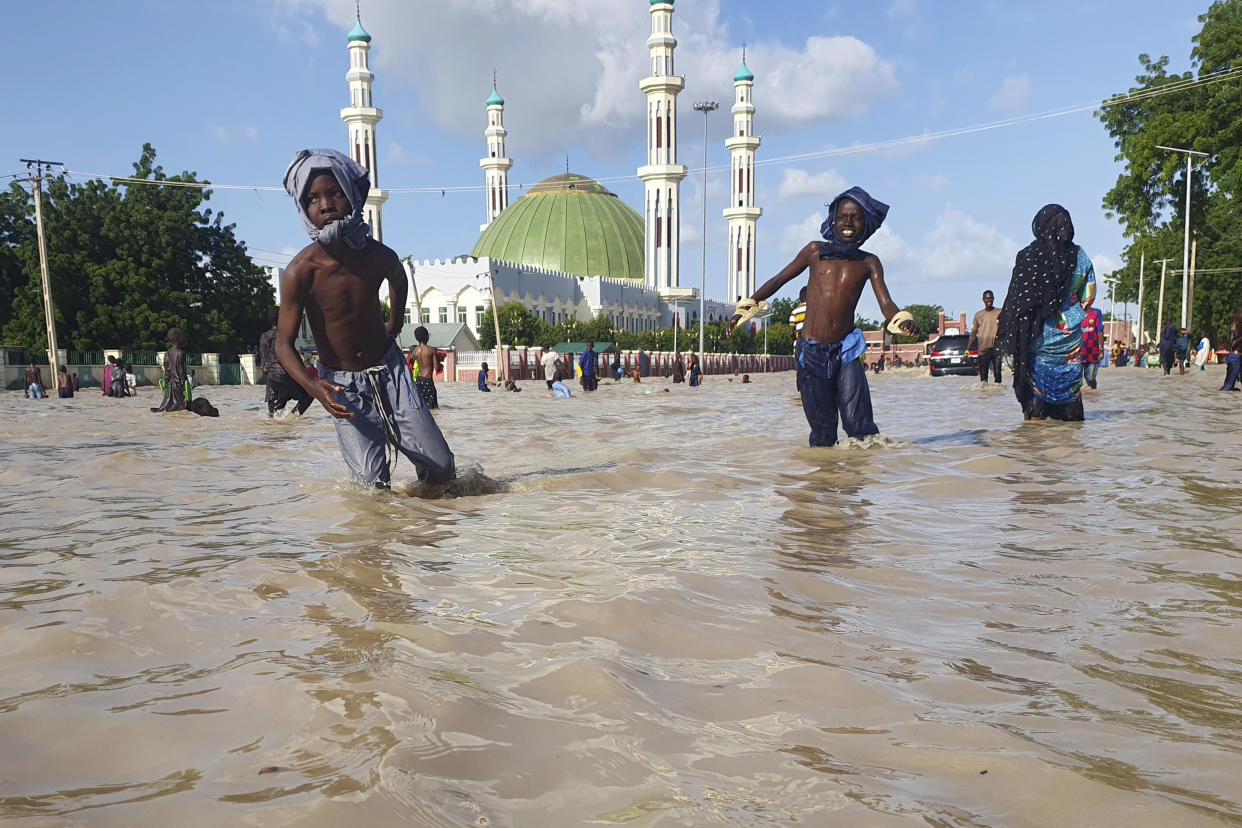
(662, 174)
(742, 212)
(360, 118)
(495, 165)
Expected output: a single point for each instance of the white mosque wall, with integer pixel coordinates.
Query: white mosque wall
(457, 290)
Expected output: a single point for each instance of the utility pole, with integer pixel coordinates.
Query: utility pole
(1190, 297)
(1160, 307)
(1190, 157)
(502, 364)
(49, 310)
(408, 261)
(705, 107)
(1142, 262)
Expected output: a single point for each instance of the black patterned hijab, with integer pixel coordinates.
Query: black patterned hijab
(1042, 274)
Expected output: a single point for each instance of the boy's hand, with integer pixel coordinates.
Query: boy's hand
(732, 322)
(909, 328)
(322, 390)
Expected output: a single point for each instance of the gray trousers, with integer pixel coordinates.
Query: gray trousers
(387, 411)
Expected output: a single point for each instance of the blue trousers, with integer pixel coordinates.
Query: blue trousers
(387, 411)
(1232, 363)
(831, 389)
(1089, 372)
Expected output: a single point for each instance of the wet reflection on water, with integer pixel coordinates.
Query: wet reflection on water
(644, 609)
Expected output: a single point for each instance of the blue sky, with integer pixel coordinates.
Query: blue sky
(232, 89)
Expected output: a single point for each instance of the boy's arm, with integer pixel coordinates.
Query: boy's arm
(974, 333)
(887, 306)
(800, 263)
(398, 292)
(294, 289)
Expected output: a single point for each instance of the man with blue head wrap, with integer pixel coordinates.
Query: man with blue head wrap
(832, 379)
(363, 381)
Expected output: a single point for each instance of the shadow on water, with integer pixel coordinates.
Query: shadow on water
(826, 511)
(962, 437)
(472, 482)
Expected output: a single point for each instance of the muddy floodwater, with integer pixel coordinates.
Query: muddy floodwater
(667, 611)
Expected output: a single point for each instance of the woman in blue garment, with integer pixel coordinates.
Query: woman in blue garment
(1050, 291)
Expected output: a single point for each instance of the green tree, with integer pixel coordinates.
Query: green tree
(127, 262)
(927, 317)
(518, 326)
(1149, 195)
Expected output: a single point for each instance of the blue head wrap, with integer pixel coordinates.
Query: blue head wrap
(355, 183)
(873, 214)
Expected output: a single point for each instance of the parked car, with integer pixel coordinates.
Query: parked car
(948, 355)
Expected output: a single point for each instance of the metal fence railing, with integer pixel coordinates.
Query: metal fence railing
(472, 359)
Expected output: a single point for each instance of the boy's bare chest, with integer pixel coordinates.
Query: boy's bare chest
(343, 287)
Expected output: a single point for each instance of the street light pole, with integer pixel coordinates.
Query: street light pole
(1190, 154)
(704, 107)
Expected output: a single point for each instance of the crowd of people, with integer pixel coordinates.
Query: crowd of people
(382, 398)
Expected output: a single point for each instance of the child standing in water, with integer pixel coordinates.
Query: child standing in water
(174, 373)
(364, 382)
(831, 378)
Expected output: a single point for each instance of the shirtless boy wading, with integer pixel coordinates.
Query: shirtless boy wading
(832, 378)
(363, 378)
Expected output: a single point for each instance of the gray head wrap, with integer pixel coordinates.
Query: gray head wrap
(355, 183)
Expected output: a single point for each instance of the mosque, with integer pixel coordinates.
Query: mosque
(569, 249)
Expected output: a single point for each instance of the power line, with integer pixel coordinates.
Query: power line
(1171, 88)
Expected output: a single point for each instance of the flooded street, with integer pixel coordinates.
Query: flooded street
(673, 614)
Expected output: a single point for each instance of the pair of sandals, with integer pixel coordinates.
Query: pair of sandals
(748, 309)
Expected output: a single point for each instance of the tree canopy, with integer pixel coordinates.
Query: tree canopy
(1149, 195)
(127, 262)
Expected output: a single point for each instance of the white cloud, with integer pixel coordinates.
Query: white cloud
(1103, 265)
(1015, 91)
(799, 183)
(903, 8)
(397, 153)
(247, 132)
(958, 248)
(794, 237)
(569, 72)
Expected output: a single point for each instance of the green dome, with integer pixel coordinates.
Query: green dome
(495, 99)
(359, 33)
(743, 74)
(658, 2)
(569, 223)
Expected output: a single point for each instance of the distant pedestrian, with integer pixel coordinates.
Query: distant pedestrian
(550, 361)
(983, 336)
(587, 363)
(174, 373)
(1233, 362)
(679, 369)
(644, 363)
(118, 387)
(1203, 353)
(1168, 347)
(34, 383)
(105, 383)
(281, 389)
(423, 358)
(131, 380)
(64, 383)
(1092, 324)
(75, 382)
(1181, 349)
(696, 372)
(481, 379)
